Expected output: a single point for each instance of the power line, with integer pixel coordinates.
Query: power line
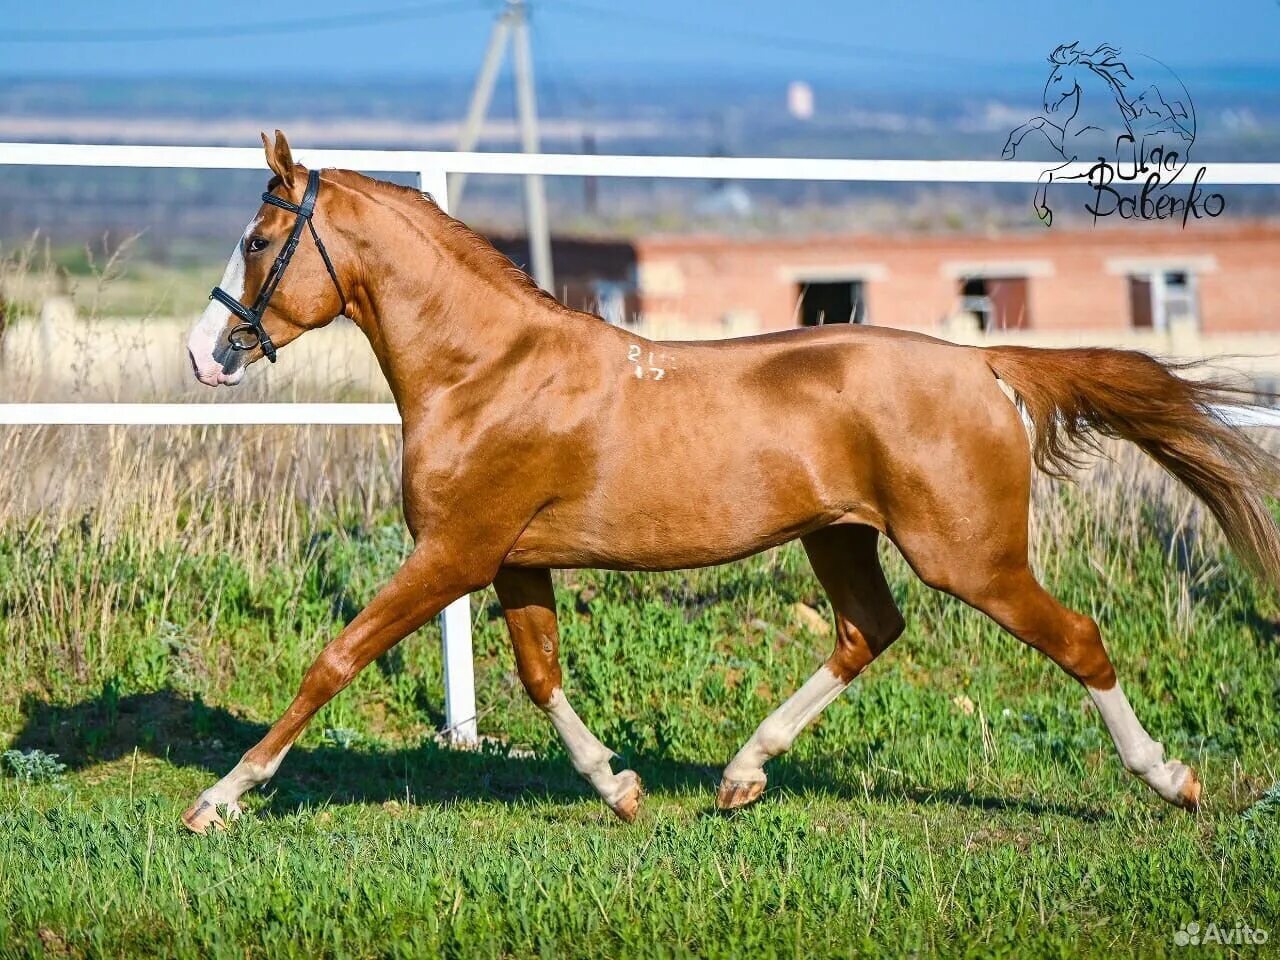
(217, 31)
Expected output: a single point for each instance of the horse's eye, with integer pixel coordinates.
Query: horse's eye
(258, 244)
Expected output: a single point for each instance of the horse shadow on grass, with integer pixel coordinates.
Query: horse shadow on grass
(186, 732)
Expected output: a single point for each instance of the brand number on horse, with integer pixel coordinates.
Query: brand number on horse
(646, 369)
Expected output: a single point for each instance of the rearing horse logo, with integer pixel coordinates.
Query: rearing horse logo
(1096, 112)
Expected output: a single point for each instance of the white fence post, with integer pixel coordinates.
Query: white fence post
(459, 672)
(455, 622)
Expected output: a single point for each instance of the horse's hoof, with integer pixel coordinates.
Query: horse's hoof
(204, 814)
(735, 794)
(1189, 792)
(627, 804)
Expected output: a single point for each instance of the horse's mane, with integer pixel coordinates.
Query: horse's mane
(465, 243)
(1104, 61)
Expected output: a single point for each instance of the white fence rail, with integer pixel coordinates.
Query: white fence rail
(432, 169)
(433, 163)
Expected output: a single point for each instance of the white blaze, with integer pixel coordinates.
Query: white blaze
(204, 335)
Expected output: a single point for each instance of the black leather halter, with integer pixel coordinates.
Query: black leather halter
(251, 333)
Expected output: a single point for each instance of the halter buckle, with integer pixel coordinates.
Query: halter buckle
(256, 337)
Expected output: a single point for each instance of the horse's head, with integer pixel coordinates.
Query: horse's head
(280, 259)
(1062, 90)
(1073, 67)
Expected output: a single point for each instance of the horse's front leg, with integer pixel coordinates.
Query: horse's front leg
(528, 602)
(1016, 137)
(431, 578)
(1049, 130)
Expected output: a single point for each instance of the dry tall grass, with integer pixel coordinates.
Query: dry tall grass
(78, 338)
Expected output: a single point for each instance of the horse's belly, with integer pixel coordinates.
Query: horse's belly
(650, 548)
(670, 530)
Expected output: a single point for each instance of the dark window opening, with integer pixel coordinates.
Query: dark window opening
(997, 303)
(1140, 303)
(841, 302)
(1180, 304)
(1163, 298)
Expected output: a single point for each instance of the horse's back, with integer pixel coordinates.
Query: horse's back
(837, 333)
(856, 368)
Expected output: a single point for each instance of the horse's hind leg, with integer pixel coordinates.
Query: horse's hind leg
(996, 580)
(867, 621)
(1071, 640)
(528, 602)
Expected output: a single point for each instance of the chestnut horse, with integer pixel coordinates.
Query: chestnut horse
(538, 437)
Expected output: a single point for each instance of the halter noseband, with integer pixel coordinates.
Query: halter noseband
(251, 333)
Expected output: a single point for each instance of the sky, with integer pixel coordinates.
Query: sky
(410, 38)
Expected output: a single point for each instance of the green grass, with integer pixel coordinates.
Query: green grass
(960, 800)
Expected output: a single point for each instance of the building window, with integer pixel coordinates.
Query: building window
(1162, 298)
(996, 303)
(842, 301)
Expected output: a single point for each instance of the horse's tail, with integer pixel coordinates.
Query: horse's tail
(1074, 396)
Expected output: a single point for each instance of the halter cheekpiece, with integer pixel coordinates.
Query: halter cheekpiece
(251, 333)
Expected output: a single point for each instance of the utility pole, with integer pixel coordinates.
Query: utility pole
(512, 24)
(590, 185)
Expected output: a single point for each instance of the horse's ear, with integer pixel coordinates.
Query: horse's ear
(280, 158)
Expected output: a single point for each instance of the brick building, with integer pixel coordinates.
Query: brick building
(1215, 279)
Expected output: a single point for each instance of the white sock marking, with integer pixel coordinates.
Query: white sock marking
(589, 756)
(242, 778)
(780, 729)
(1141, 755)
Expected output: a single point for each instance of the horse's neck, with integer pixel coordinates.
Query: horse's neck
(432, 315)
(1098, 105)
